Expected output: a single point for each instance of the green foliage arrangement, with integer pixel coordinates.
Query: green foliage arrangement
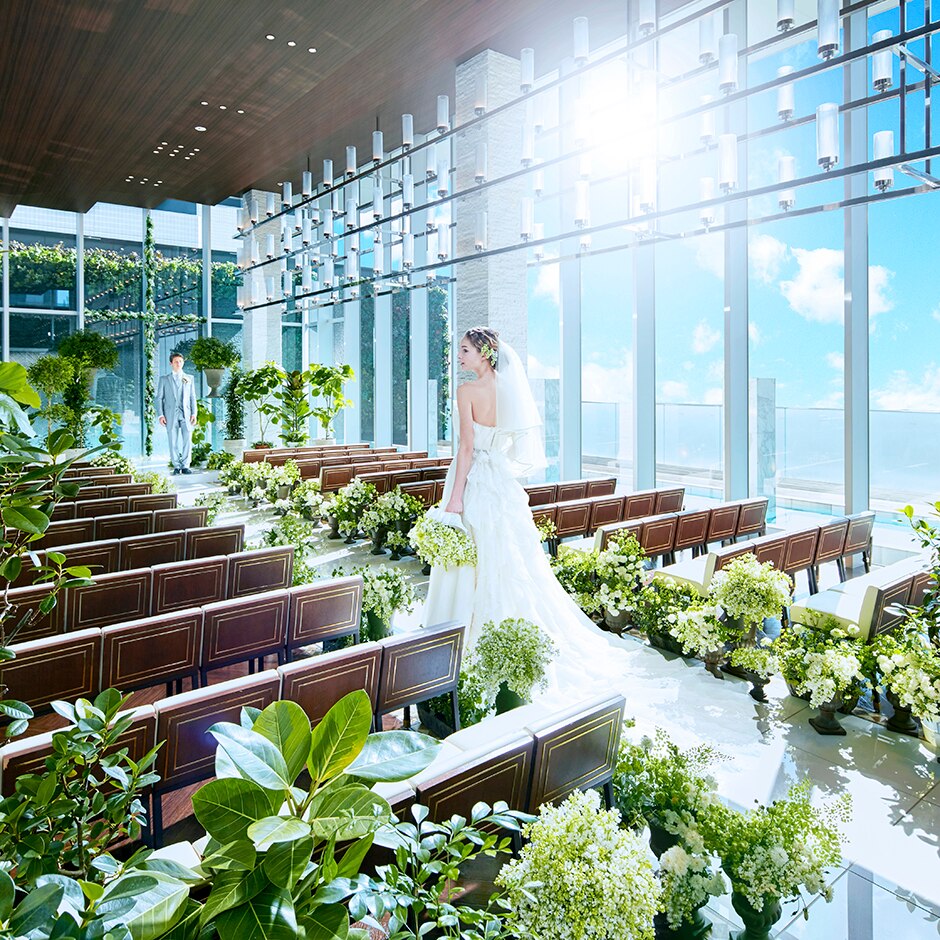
(119, 463)
(214, 502)
(51, 374)
(350, 504)
(91, 349)
(202, 444)
(159, 483)
(927, 533)
(210, 352)
(516, 652)
(306, 500)
(824, 662)
(659, 601)
(234, 408)
(257, 386)
(749, 591)
(385, 591)
(328, 382)
(219, 459)
(389, 509)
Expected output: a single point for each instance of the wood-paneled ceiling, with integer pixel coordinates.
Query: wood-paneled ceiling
(89, 89)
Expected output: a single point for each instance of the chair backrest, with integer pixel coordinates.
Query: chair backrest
(658, 534)
(753, 517)
(576, 752)
(887, 613)
(100, 507)
(151, 651)
(63, 511)
(439, 490)
(434, 473)
(831, 541)
(858, 536)
(152, 502)
(244, 628)
(570, 490)
(323, 611)
(610, 533)
(183, 723)
(67, 532)
(261, 569)
(723, 522)
(801, 549)
(604, 511)
(319, 682)
(770, 549)
(171, 520)
(605, 486)
(419, 665)
(920, 584)
(113, 598)
(541, 494)
(670, 500)
(100, 557)
(123, 526)
(691, 528)
(501, 774)
(572, 518)
(158, 548)
(129, 489)
(638, 505)
(334, 478)
(214, 540)
(379, 480)
(726, 554)
(542, 514)
(27, 601)
(423, 490)
(190, 583)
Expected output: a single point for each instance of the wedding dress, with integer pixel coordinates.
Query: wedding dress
(513, 576)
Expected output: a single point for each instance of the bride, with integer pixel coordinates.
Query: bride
(500, 440)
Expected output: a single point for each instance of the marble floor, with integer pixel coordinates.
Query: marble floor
(889, 882)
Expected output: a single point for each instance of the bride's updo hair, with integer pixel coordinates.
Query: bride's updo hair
(486, 342)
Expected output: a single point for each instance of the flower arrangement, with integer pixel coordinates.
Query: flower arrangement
(254, 479)
(773, 852)
(615, 600)
(384, 592)
(215, 502)
(761, 660)
(219, 459)
(750, 591)
(580, 876)
(687, 880)
(659, 599)
(158, 482)
(443, 545)
(546, 529)
(306, 500)
(575, 571)
(390, 508)
(514, 651)
(822, 663)
(288, 474)
(909, 667)
(108, 458)
(698, 630)
(620, 565)
(290, 530)
(349, 504)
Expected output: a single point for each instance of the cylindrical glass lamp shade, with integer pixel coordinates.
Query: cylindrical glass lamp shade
(582, 203)
(479, 94)
(306, 279)
(582, 122)
(538, 113)
(882, 67)
(443, 240)
(352, 265)
(538, 233)
(707, 131)
(257, 290)
(728, 162)
(378, 260)
(706, 191)
(786, 14)
(407, 131)
(298, 220)
(647, 188)
(352, 213)
(785, 98)
(479, 231)
(270, 204)
(255, 251)
(306, 231)
(287, 283)
(270, 287)
(244, 219)
(728, 63)
(378, 146)
(538, 182)
(786, 173)
(327, 174)
(581, 44)
(329, 271)
(408, 250)
(526, 69)
(528, 144)
(287, 194)
(479, 172)
(378, 198)
(443, 113)
(526, 217)
(827, 16)
(306, 184)
(646, 21)
(707, 39)
(443, 168)
(351, 164)
(253, 210)
(314, 211)
(269, 247)
(884, 147)
(827, 135)
(407, 191)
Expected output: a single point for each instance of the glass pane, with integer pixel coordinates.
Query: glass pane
(42, 270)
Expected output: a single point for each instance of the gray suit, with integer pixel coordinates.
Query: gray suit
(176, 401)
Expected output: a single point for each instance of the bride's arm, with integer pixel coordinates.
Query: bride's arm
(464, 451)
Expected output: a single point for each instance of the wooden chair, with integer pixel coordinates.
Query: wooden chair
(572, 518)
(829, 547)
(27, 601)
(572, 490)
(152, 502)
(691, 530)
(67, 532)
(604, 511)
(171, 520)
(670, 500)
(192, 583)
(324, 611)
(144, 551)
(113, 598)
(658, 536)
(638, 505)
(857, 541)
(801, 553)
(541, 494)
(261, 569)
(214, 540)
(101, 507)
(123, 526)
(605, 486)
(752, 519)
(722, 523)
(610, 533)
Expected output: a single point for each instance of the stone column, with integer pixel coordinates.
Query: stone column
(491, 291)
(762, 435)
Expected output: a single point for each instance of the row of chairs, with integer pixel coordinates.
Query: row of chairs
(103, 505)
(103, 487)
(873, 600)
(584, 516)
(395, 672)
(335, 476)
(542, 494)
(85, 470)
(159, 518)
(184, 644)
(279, 455)
(388, 480)
(429, 492)
(143, 551)
(145, 592)
(793, 551)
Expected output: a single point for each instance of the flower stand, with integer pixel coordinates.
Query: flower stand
(713, 661)
(758, 684)
(661, 840)
(506, 699)
(378, 628)
(697, 928)
(616, 621)
(333, 523)
(378, 541)
(757, 924)
(902, 721)
(826, 722)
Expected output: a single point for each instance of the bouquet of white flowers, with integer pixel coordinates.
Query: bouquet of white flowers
(441, 544)
(306, 500)
(698, 629)
(620, 565)
(688, 881)
(909, 666)
(514, 651)
(384, 591)
(350, 504)
(751, 591)
(820, 663)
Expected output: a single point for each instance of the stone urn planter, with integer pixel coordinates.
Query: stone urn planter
(902, 721)
(826, 722)
(235, 447)
(757, 923)
(213, 380)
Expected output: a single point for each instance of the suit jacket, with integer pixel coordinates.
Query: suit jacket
(166, 397)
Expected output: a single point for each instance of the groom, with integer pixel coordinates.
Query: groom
(176, 406)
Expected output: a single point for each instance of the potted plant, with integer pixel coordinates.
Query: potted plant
(234, 442)
(257, 386)
(655, 609)
(213, 356)
(385, 591)
(306, 501)
(348, 506)
(619, 573)
(389, 519)
(52, 375)
(749, 592)
(91, 351)
(580, 875)
(327, 384)
(700, 632)
(294, 408)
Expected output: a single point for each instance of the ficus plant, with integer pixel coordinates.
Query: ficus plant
(257, 386)
(327, 382)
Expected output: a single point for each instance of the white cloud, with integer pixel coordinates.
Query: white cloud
(538, 370)
(710, 254)
(716, 371)
(607, 383)
(754, 333)
(713, 396)
(836, 360)
(766, 254)
(904, 393)
(704, 337)
(817, 293)
(673, 391)
(936, 314)
(548, 282)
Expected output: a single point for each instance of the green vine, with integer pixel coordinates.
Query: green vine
(150, 335)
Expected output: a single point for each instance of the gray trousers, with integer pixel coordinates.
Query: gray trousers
(180, 433)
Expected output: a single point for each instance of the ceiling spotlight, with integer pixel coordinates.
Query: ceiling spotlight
(156, 151)
(159, 181)
(269, 36)
(203, 102)
(199, 127)
(222, 107)
(164, 143)
(195, 150)
(239, 111)
(291, 43)
(187, 158)
(311, 49)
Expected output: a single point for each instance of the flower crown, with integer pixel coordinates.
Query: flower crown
(489, 354)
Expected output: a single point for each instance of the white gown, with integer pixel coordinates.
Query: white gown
(513, 576)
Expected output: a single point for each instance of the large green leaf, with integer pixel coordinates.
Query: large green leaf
(34, 913)
(34, 521)
(353, 857)
(226, 808)
(15, 382)
(158, 902)
(327, 922)
(286, 725)
(266, 832)
(253, 754)
(231, 889)
(7, 894)
(338, 739)
(12, 415)
(347, 813)
(284, 862)
(394, 755)
(269, 915)
(240, 855)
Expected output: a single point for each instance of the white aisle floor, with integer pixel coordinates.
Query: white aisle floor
(889, 883)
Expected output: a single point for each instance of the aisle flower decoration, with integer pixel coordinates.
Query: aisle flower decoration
(389, 509)
(285, 476)
(658, 602)
(575, 571)
(306, 500)
(620, 564)
(750, 591)
(215, 502)
(688, 880)
(546, 529)
(516, 652)
(761, 660)
(698, 630)
(442, 545)
(118, 462)
(385, 591)
(349, 505)
(909, 668)
(580, 876)
(825, 664)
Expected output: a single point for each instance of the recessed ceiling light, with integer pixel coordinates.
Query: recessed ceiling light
(291, 43)
(159, 181)
(222, 107)
(171, 154)
(311, 49)
(199, 127)
(240, 111)
(203, 102)
(156, 151)
(269, 36)
(195, 150)
(156, 184)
